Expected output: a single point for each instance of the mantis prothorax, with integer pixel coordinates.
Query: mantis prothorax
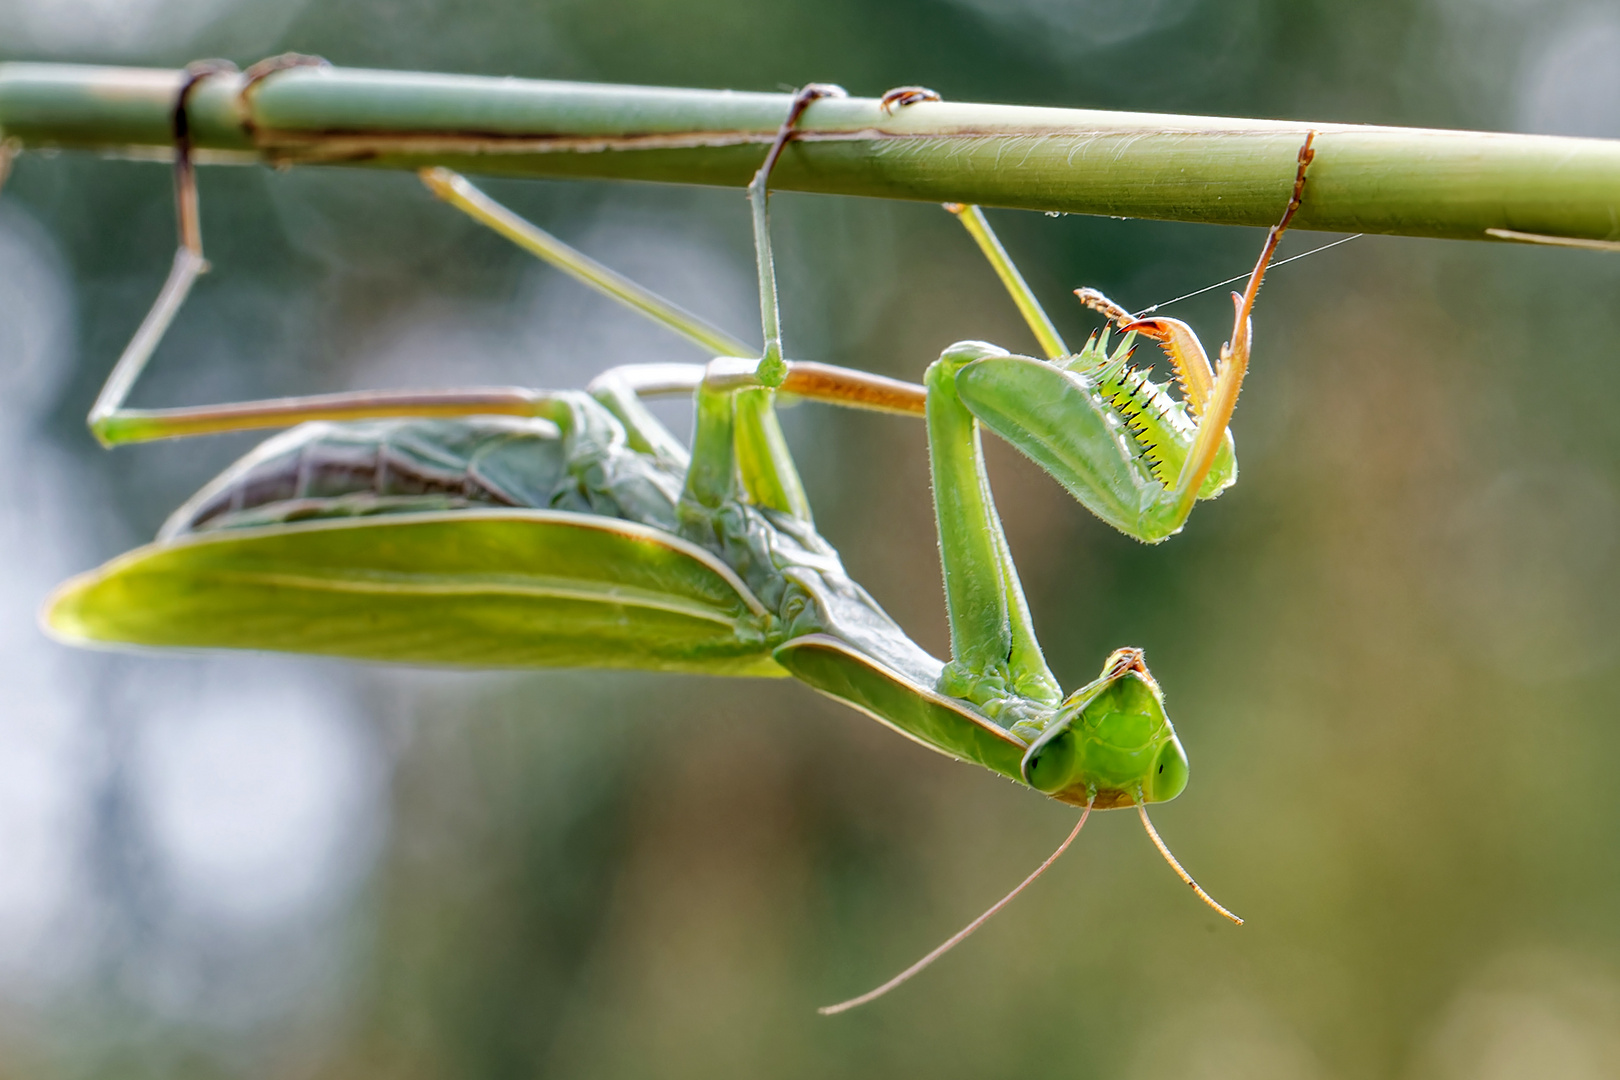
(511, 527)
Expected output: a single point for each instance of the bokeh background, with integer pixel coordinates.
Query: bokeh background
(1391, 650)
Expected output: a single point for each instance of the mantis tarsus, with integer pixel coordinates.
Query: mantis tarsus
(499, 526)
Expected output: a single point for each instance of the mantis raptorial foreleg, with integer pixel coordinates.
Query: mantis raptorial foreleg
(996, 662)
(1234, 362)
(1066, 414)
(1211, 395)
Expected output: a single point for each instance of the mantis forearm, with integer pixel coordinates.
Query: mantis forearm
(994, 655)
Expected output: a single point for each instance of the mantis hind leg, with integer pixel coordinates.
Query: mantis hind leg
(113, 424)
(188, 265)
(461, 194)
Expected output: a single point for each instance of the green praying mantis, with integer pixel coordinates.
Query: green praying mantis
(508, 527)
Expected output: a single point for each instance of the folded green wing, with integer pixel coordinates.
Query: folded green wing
(495, 588)
(912, 707)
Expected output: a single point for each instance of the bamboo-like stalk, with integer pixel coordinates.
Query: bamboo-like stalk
(1416, 182)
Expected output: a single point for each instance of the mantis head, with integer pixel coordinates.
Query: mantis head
(1107, 745)
(1110, 742)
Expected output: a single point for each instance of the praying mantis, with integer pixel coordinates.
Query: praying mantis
(508, 527)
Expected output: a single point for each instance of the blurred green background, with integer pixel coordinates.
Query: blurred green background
(1391, 650)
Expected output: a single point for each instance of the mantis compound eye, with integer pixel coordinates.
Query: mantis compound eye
(1169, 776)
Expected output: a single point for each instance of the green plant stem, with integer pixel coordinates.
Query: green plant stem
(1366, 179)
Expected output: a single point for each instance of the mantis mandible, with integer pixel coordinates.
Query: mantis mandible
(500, 526)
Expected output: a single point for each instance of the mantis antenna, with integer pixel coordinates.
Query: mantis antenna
(961, 935)
(1243, 277)
(1153, 834)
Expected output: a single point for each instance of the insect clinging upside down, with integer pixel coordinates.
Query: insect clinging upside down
(500, 526)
